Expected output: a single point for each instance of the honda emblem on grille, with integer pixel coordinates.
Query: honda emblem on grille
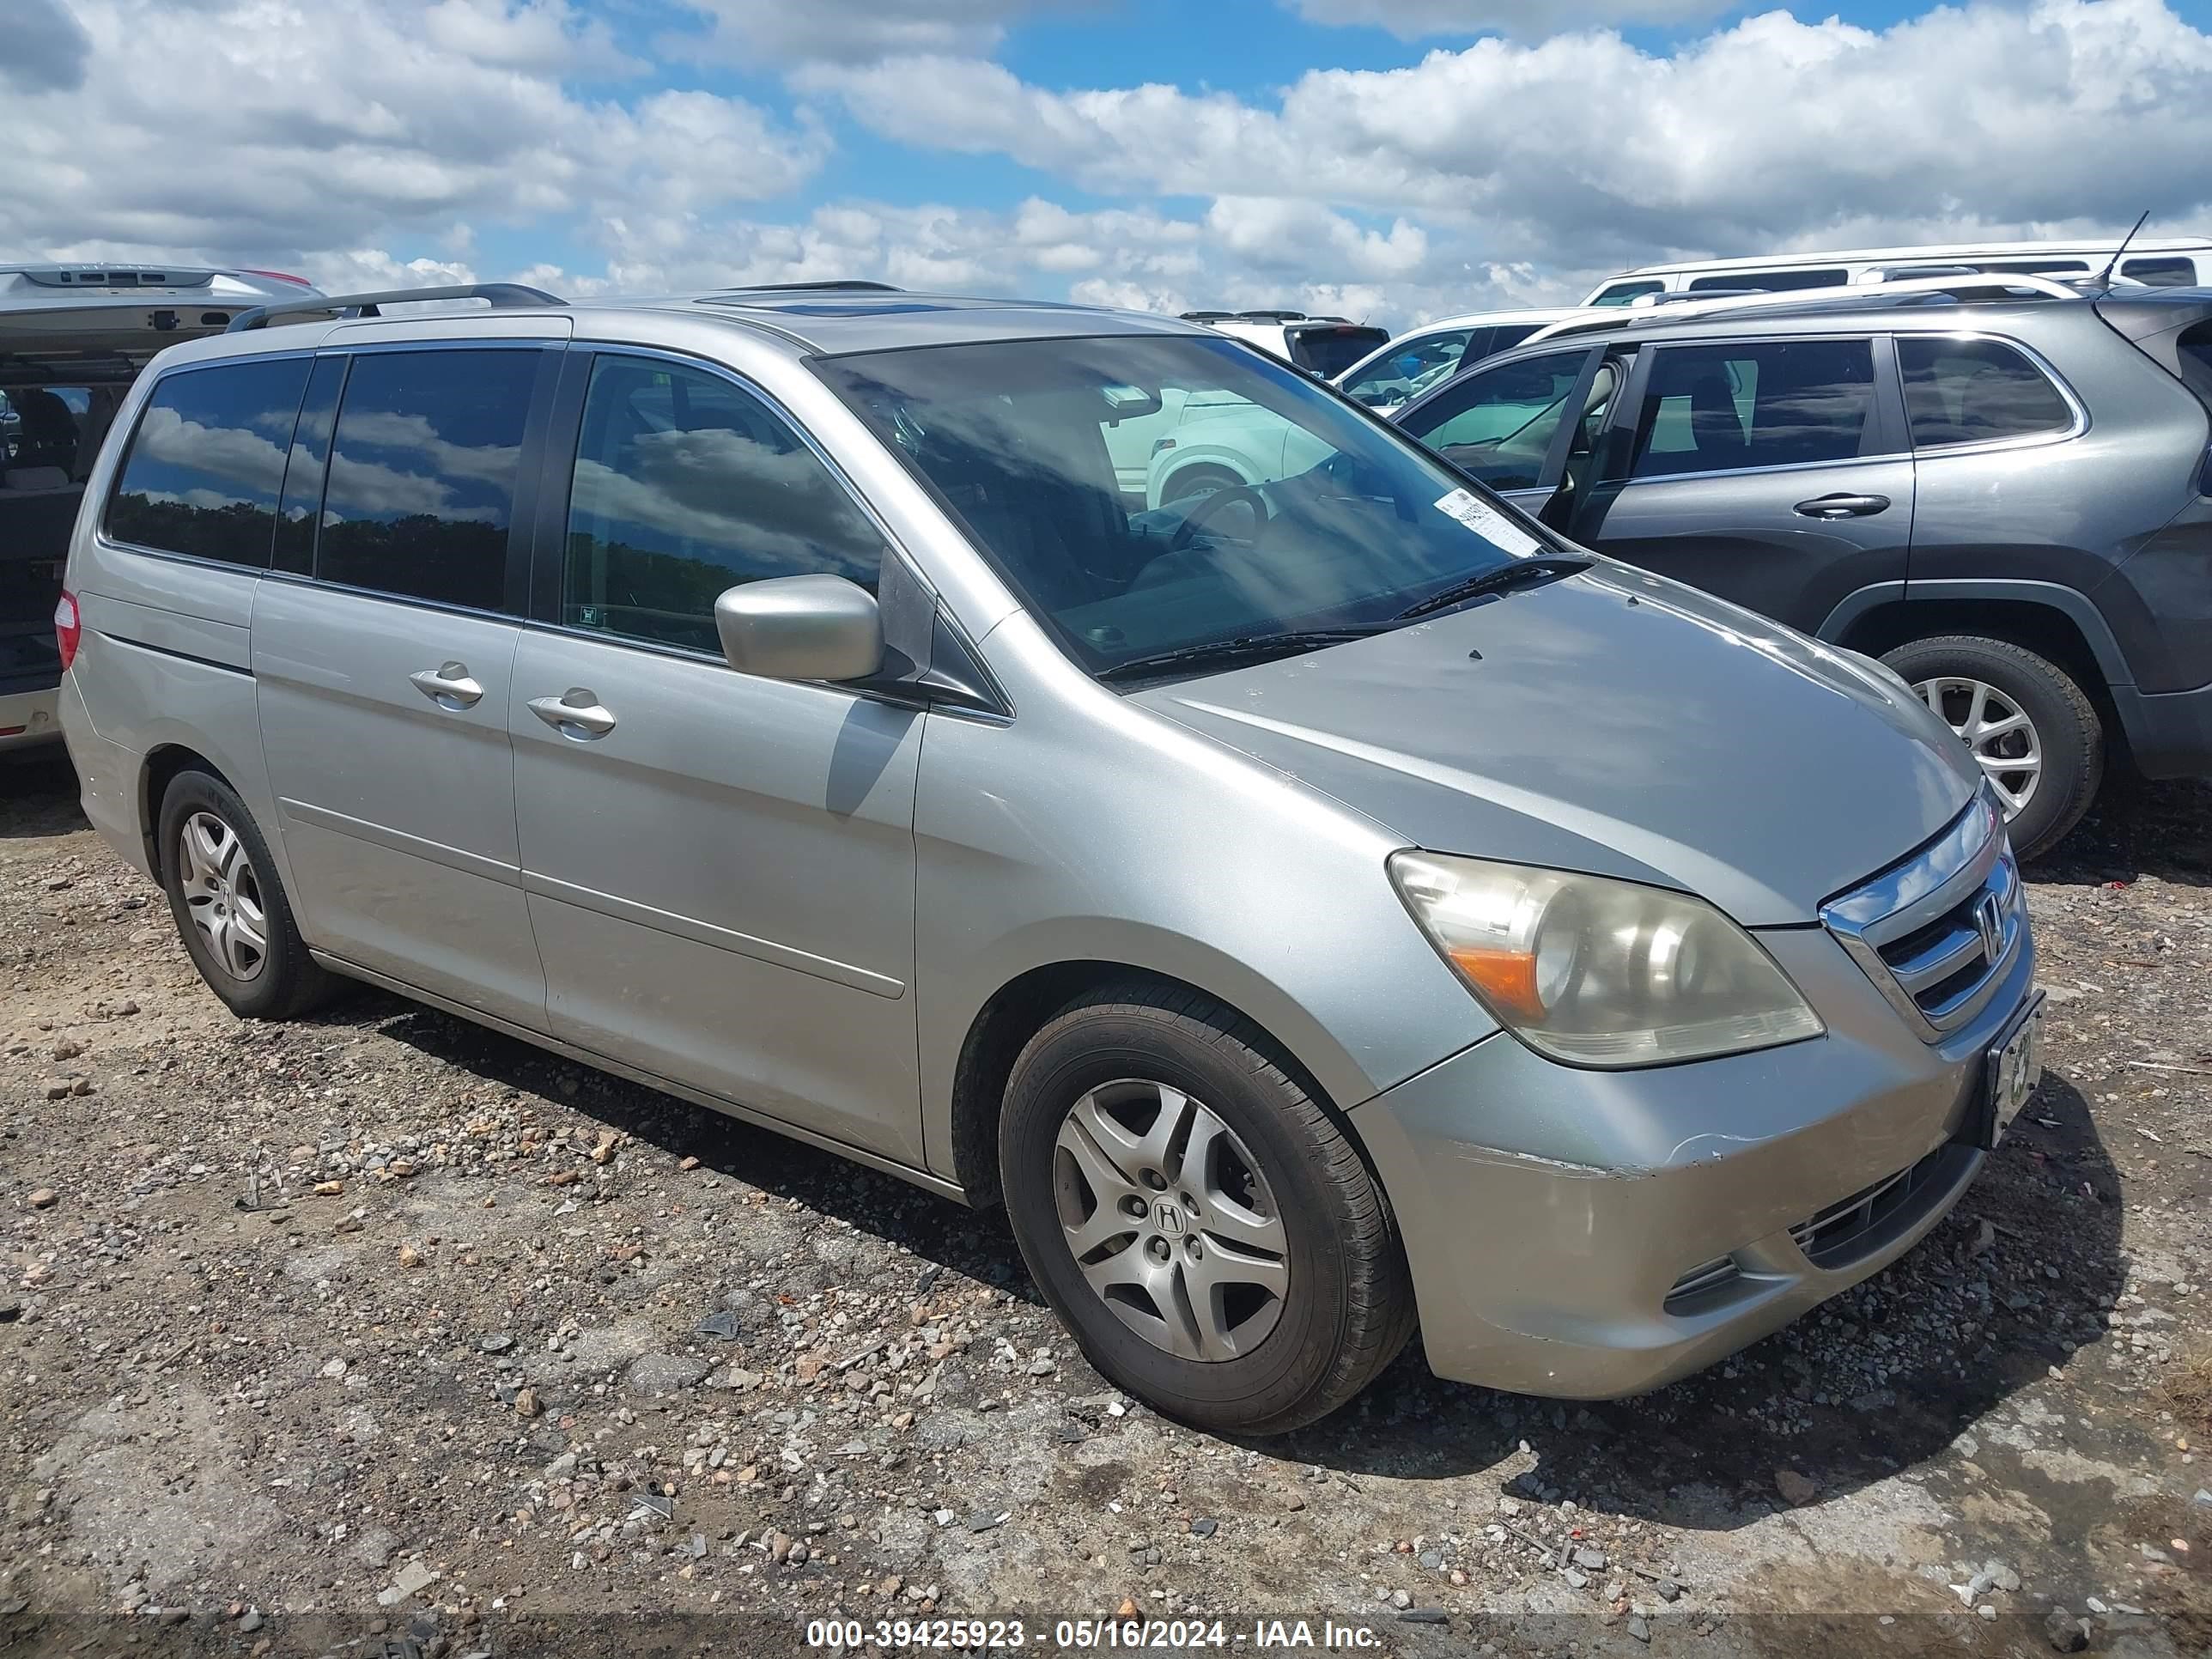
(1989, 920)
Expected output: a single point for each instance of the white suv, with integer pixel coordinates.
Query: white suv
(1322, 346)
(1430, 355)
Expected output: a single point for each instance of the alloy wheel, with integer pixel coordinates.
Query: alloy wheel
(1996, 729)
(1171, 1220)
(223, 895)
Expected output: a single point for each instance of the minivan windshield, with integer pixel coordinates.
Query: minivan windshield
(1317, 522)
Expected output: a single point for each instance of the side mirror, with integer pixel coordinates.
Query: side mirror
(801, 627)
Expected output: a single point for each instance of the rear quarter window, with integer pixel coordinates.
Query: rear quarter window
(206, 463)
(1975, 391)
(2193, 351)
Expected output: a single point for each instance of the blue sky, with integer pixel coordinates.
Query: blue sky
(1394, 158)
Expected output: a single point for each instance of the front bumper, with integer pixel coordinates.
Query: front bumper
(28, 717)
(1555, 1219)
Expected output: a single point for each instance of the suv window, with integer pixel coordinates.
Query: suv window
(1774, 282)
(1416, 365)
(1975, 391)
(2194, 354)
(1328, 350)
(1619, 293)
(1498, 423)
(421, 477)
(2162, 273)
(1771, 403)
(686, 485)
(207, 461)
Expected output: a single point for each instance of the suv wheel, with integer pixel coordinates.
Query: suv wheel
(2036, 737)
(232, 916)
(1201, 1223)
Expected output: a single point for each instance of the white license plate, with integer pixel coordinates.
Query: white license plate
(2015, 1069)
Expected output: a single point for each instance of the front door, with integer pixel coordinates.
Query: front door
(1774, 473)
(720, 868)
(381, 666)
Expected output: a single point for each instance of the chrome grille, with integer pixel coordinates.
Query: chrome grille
(1935, 933)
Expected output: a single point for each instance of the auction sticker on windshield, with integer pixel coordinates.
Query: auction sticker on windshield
(1488, 522)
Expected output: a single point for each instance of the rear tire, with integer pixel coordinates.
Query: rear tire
(1281, 1284)
(1958, 674)
(230, 910)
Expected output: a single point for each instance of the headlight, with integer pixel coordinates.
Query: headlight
(1601, 973)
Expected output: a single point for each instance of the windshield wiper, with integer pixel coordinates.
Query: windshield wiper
(1541, 567)
(1255, 647)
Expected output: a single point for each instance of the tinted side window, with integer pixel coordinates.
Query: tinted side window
(2160, 273)
(1498, 423)
(1619, 293)
(300, 509)
(1974, 391)
(1414, 366)
(421, 474)
(1774, 282)
(1776, 403)
(207, 461)
(686, 485)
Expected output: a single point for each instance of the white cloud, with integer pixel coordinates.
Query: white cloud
(268, 127)
(1409, 20)
(46, 47)
(1585, 151)
(538, 37)
(854, 31)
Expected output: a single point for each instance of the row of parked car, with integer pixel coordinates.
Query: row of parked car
(1992, 476)
(1303, 902)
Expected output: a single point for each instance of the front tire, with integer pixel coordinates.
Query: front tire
(230, 910)
(2032, 731)
(1198, 1218)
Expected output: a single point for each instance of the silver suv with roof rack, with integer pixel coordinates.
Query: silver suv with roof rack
(2002, 485)
(72, 338)
(1294, 904)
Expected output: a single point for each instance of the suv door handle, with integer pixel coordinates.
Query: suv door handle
(1843, 506)
(577, 713)
(448, 686)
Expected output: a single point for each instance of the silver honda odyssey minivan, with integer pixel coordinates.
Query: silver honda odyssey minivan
(1312, 908)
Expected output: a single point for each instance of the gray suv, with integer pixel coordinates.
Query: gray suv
(1305, 908)
(2008, 499)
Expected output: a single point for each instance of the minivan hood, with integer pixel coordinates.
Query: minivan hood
(1614, 723)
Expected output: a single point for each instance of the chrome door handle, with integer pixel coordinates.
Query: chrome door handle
(448, 686)
(576, 714)
(1843, 506)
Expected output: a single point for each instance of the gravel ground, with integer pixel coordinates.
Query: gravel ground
(379, 1334)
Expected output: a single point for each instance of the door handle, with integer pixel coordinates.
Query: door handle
(1844, 507)
(448, 685)
(577, 713)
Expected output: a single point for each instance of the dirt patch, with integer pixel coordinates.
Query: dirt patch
(337, 1334)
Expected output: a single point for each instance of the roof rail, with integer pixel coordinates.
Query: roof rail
(503, 296)
(1988, 285)
(1207, 317)
(837, 284)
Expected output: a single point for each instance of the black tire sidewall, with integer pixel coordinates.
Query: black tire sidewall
(269, 994)
(1102, 1045)
(2072, 763)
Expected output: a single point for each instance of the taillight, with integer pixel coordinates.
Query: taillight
(281, 276)
(67, 630)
